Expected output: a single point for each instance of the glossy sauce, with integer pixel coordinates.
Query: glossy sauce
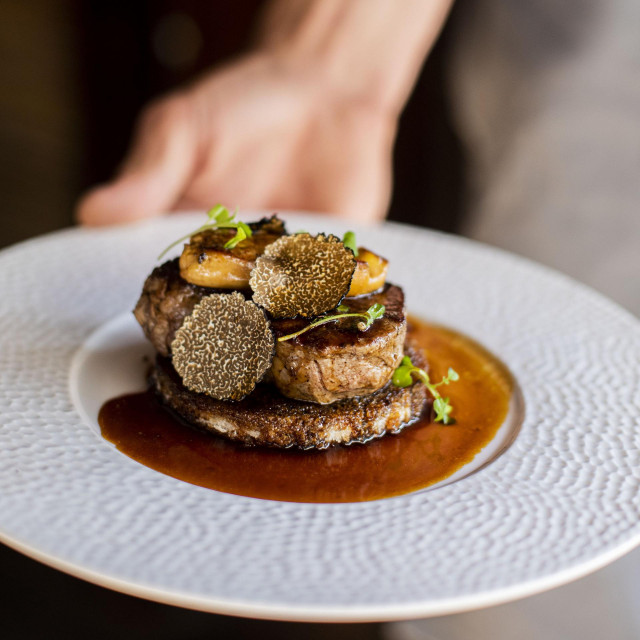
(417, 457)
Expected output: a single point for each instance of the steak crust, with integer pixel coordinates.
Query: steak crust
(165, 302)
(324, 365)
(266, 417)
(337, 360)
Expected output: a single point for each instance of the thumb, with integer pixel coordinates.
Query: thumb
(155, 172)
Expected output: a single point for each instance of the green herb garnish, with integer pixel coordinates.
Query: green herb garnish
(374, 312)
(403, 377)
(243, 231)
(219, 218)
(349, 241)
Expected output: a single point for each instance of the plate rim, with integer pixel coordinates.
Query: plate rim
(350, 613)
(325, 614)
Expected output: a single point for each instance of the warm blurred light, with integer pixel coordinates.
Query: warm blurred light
(177, 41)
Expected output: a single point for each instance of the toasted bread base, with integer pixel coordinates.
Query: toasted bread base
(266, 417)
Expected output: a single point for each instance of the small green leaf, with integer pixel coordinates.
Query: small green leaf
(239, 237)
(349, 241)
(219, 218)
(219, 214)
(373, 313)
(442, 409)
(376, 311)
(342, 308)
(403, 377)
(246, 228)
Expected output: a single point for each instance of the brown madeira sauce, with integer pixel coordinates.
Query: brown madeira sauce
(420, 455)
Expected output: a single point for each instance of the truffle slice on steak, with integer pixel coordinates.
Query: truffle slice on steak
(336, 360)
(224, 347)
(302, 275)
(265, 417)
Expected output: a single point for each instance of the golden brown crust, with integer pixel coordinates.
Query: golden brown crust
(207, 263)
(337, 360)
(265, 417)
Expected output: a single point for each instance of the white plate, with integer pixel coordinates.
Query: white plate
(560, 502)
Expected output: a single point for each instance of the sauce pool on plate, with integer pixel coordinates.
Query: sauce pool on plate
(420, 455)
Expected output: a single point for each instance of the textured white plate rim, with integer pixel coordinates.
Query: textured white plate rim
(327, 613)
(596, 296)
(293, 613)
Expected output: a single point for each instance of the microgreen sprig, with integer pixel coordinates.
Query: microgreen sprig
(349, 241)
(372, 314)
(243, 231)
(403, 377)
(218, 218)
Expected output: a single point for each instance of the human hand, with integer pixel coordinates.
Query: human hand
(259, 134)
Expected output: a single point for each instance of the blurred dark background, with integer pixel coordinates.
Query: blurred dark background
(74, 75)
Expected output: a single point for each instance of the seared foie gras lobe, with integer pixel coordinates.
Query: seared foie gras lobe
(206, 263)
(336, 360)
(370, 273)
(265, 417)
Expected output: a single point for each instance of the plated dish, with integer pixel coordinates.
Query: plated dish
(292, 356)
(559, 502)
(273, 338)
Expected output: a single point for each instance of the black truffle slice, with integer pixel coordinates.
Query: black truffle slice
(224, 348)
(302, 275)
